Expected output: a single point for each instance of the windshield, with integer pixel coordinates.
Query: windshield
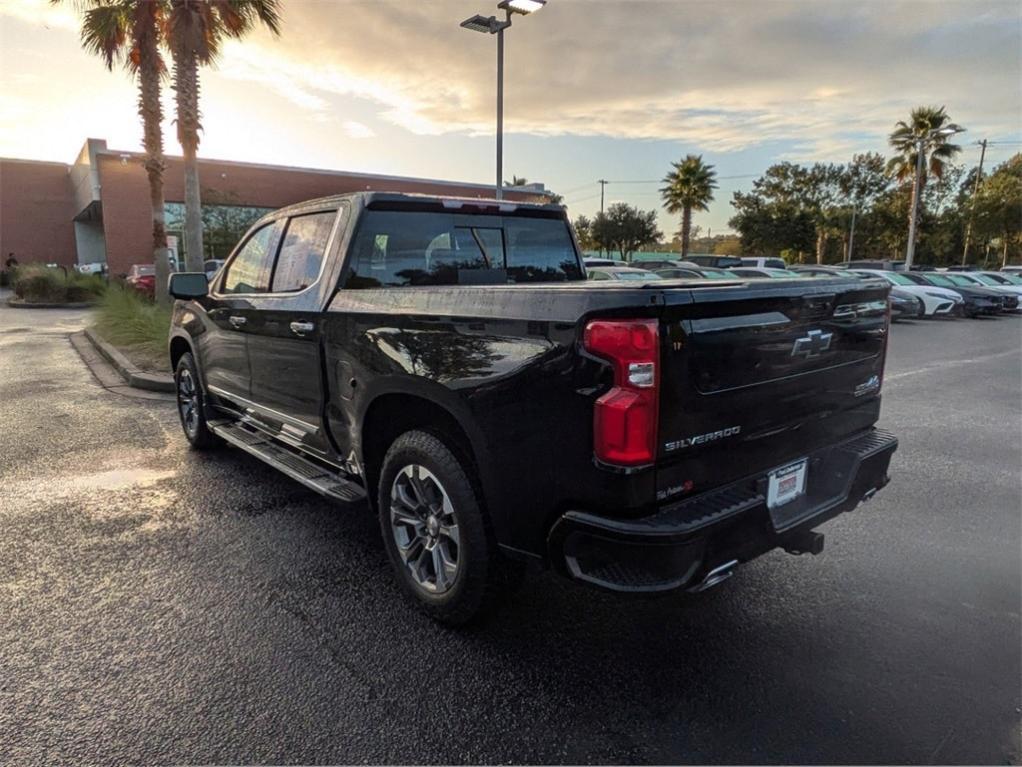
(986, 280)
(719, 274)
(1013, 279)
(898, 279)
(777, 273)
(941, 280)
(957, 279)
(637, 276)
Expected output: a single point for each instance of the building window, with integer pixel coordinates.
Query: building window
(223, 224)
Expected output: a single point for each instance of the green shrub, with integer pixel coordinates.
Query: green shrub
(40, 284)
(135, 325)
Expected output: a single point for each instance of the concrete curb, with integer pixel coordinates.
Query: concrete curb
(163, 382)
(17, 303)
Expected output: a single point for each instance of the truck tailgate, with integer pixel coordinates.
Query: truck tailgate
(759, 374)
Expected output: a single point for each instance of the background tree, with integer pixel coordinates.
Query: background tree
(728, 245)
(196, 31)
(999, 208)
(780, 214)
(625, 228)
(686, 188)
(862, 183)
(130, 32)
(584, 233)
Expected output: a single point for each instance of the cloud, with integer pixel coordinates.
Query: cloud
(720, 76)
(823, 78)
(355, 129)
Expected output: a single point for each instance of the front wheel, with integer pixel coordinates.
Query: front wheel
(436, 533)
(191, 404)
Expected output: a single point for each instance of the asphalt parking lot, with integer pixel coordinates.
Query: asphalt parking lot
(161, 606)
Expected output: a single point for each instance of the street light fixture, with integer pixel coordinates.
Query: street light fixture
(920, 149)
(493, 26)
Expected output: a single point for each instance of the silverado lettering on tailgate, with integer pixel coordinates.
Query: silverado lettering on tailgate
(702, 439)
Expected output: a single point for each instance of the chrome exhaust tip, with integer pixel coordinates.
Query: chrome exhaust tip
(715, 577)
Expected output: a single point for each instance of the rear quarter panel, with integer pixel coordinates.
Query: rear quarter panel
(505, 361)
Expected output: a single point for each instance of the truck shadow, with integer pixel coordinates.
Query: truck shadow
(564, 674)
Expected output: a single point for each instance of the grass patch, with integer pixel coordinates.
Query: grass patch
(39, 284)
(136, 326)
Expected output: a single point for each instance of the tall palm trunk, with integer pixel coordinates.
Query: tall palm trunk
(821, 244)
(917, 199)
(151, 111)
(686, 230)
(186, 88)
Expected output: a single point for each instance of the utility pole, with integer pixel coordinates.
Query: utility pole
(851, 233)
(603, 186)
(500, 109)
(972, 207)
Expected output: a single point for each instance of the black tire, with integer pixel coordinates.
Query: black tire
(191, 405)
(482, 575)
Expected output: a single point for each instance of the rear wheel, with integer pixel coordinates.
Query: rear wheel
(436, 533)
(191, 404)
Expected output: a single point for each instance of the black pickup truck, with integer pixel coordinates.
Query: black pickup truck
(447, 361)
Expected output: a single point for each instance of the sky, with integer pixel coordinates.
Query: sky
(594, 89)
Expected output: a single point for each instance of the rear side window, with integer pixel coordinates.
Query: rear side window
(302, 251)
(411, 248)
(540, 250)
(249, 271)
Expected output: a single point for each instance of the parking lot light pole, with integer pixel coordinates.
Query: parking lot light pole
(493, 26)
(917, 187)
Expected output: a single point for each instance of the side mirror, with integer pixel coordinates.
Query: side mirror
(188, 285)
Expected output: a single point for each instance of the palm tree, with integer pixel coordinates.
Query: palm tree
(130, 31)
(688, 187)
(196, 31)
(923, 124)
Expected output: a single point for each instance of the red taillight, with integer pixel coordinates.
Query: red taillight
(625, 418)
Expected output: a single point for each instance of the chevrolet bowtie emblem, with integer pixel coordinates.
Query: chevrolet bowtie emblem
(813, 344)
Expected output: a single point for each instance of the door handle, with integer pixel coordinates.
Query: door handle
(301, 328)
(236, 321)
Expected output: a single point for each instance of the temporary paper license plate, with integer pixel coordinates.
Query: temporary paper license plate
(786, 483)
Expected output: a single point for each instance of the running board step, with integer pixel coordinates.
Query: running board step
(324, 481)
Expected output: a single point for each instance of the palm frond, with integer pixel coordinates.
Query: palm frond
(105, 32)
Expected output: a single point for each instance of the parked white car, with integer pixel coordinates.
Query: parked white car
(936, 301)
(764, 263)
(993, 280)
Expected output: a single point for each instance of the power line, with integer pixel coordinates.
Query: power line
(582, 199)
(972, 207)
(660, 180)
(574, 189)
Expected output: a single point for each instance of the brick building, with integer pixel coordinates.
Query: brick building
(97, 209)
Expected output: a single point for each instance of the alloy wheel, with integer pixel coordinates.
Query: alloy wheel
(188, 401)
(425, 528)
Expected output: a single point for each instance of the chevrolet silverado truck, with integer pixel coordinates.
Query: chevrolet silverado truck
(446, 362)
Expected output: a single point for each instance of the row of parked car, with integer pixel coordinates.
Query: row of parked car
(930, 293)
